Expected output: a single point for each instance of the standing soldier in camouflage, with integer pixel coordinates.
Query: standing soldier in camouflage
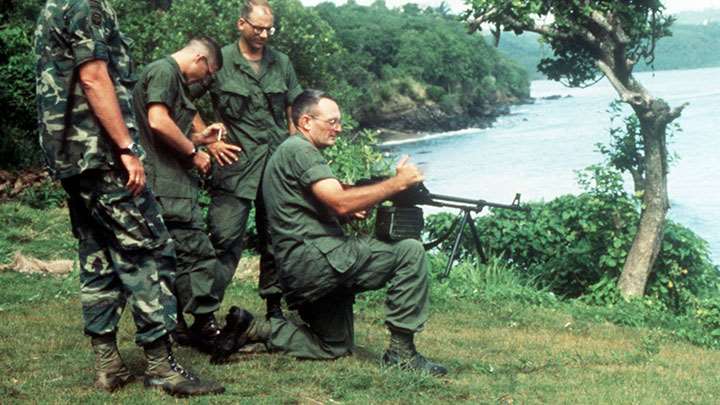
(170, 131)
(252, 94)
(88, 134)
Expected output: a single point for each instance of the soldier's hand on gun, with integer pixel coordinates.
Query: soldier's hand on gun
(201, 161)
(359, 215)
(408, 174)
(213, 133)
(136, 173)
(224, 153)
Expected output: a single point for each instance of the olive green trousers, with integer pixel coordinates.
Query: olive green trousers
(328, 331)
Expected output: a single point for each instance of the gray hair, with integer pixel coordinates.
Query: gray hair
(306, 102)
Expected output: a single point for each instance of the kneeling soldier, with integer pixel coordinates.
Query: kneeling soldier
(321, 269)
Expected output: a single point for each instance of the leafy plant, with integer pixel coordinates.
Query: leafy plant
(576, 245)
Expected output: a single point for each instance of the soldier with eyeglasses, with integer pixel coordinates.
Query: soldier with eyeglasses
(251, 94)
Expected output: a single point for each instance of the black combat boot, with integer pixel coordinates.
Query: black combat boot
(234, 335)
(401, 353)
(110, 371)
(273, 305)
(204, 332)
(182, 334)
(163, 371)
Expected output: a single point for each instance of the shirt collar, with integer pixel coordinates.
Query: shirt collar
(239, 59)
(176, 67)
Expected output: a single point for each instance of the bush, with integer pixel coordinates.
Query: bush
(19, 145)
(495, 280)
(576, 245)
(43, 195)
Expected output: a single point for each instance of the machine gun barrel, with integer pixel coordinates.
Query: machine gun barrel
(440, 200)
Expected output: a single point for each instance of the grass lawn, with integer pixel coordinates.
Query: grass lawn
(497, 350)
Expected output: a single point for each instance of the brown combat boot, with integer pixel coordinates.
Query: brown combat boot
(110, 371)
(163, 371)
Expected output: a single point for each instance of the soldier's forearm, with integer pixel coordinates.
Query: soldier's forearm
(100, 92)
(167, 130)
(198, 123)
(344, 200)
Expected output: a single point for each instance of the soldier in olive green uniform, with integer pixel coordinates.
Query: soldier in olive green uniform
(251, 94)
(321, 269)
(88, 133)
(170, 129)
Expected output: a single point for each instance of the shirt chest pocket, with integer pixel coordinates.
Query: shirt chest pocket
(232, 100)
(276, 95)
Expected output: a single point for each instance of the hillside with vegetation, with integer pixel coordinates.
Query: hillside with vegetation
(419, 68)
(691, 46)
(409, 69)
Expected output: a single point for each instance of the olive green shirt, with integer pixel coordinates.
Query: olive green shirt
(309, 244)
(167, 171)
(68, 34)
(253, 108)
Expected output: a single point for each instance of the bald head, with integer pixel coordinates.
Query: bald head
(255, 7)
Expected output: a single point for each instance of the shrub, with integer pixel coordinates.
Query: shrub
(576, 245)
(43, 195)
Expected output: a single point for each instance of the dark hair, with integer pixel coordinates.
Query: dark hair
(214, 50)
(249, 5)
(306, 102)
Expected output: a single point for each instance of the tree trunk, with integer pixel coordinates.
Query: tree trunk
(648, 240)
(638, 181)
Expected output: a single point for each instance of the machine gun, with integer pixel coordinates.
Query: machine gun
(404, 219)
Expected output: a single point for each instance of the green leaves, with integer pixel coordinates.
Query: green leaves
(576, 245)
(581, 32)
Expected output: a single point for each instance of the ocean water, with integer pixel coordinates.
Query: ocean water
(537, 148)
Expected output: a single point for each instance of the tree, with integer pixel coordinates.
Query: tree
(591, 39)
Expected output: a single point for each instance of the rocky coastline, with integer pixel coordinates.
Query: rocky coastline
(427, 119)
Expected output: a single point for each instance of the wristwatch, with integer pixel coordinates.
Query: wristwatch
(192, 154)
(133, 149)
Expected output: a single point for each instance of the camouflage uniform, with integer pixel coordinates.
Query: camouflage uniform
(177, 187)
(321, 269)
(124, 248)
(253, 108)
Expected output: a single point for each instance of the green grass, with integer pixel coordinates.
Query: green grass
(503, 341)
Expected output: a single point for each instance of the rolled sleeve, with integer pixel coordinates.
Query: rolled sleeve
(316, 173)
(160, 88)
(294, 88)
(86, 33)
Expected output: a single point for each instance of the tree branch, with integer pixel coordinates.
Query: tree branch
(676, 112)
(627, 95)
(609, 25)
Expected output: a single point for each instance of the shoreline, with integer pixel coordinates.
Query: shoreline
(387, 138)
(423, 123)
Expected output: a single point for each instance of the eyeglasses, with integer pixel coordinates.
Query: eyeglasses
(334, 122)
(259, 30)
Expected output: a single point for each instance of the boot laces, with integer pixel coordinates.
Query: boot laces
(175, 366)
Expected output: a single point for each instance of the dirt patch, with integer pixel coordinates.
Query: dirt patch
(248, 268)
(31, 265)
